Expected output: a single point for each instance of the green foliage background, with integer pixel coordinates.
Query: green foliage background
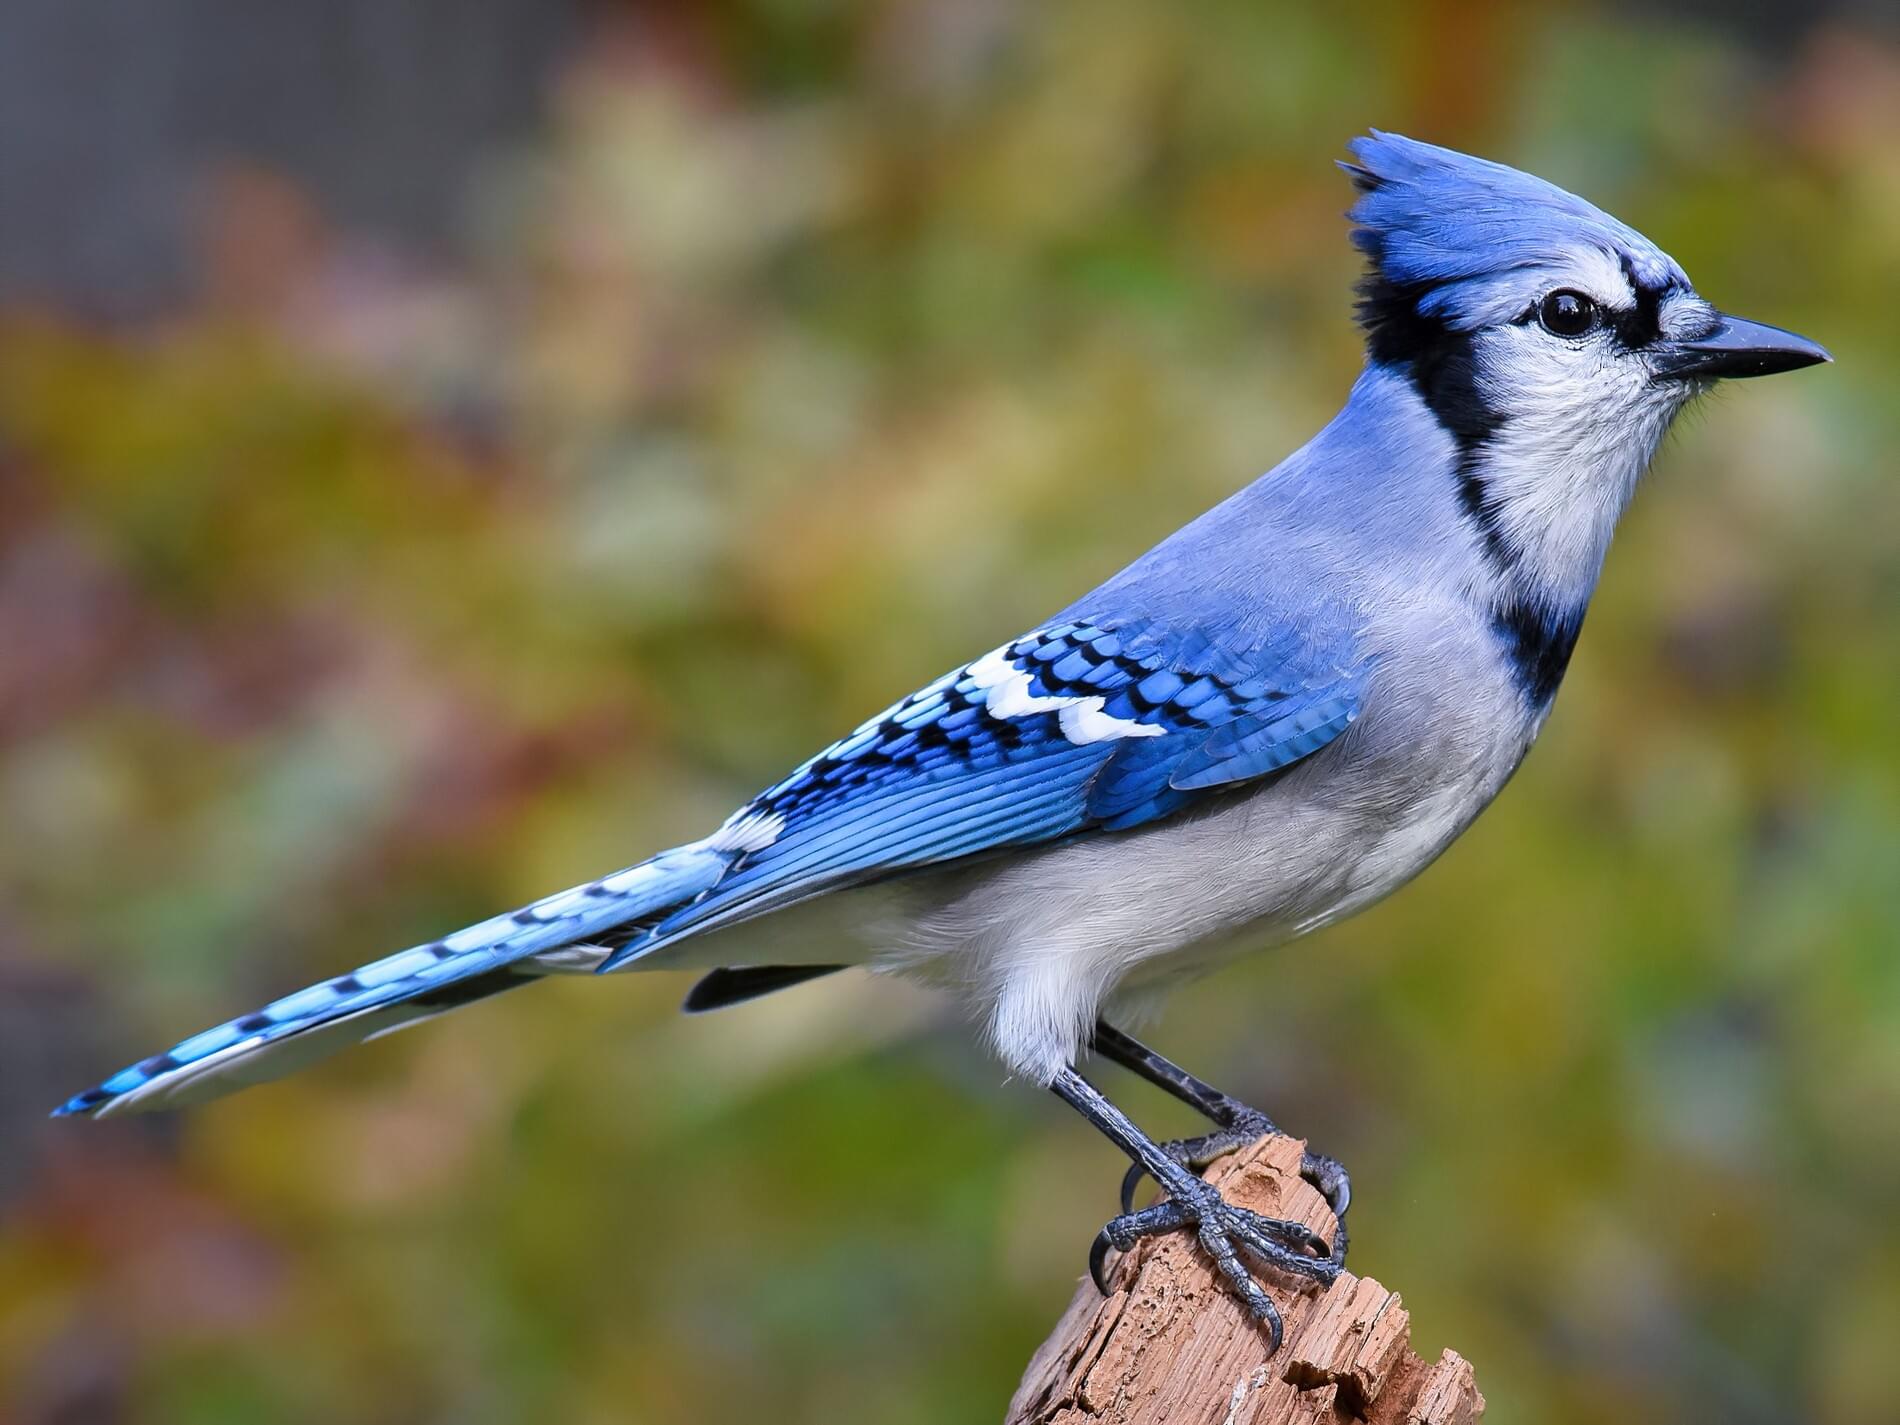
(808, 349)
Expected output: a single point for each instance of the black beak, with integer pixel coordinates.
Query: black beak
(1737, 348)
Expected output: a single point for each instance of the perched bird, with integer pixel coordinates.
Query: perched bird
(1273, 718)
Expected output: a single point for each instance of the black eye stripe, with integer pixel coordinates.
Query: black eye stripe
(1632, 326)
(1643, 324)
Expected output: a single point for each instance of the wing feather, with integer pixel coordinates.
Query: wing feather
(1077, 729)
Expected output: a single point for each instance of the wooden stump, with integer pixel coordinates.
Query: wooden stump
(1172, 1345)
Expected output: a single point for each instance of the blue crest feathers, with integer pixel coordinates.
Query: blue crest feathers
(1435, 225)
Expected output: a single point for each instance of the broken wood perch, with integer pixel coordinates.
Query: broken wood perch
(1172, 1346)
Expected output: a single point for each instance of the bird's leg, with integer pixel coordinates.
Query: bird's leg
(1240, 1124)
(1225, 1231)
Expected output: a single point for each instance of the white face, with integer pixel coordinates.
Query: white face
(1581, 337)
(1580, 407)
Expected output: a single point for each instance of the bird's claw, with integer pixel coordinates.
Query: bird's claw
(1328, 1176)
(1330, 1180)
(1225, 1232)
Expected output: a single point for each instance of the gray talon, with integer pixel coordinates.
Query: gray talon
(1225, 1231)
(1327, 1175)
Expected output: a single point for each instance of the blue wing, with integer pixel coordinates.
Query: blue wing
(1073, 729)
(1076, 729)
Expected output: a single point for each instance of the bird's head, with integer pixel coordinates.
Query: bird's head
(1553, 343)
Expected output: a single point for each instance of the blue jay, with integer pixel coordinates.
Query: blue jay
(1276, 716)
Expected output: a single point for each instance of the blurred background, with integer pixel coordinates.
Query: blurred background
(449, 450)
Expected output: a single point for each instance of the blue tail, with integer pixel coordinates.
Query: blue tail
(561, 933)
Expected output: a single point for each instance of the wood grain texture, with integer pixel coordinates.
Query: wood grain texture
(1172, 1345)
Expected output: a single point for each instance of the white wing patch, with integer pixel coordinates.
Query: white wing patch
(1007, 694)
(567, 960)
(1083, 721)
(747, 831)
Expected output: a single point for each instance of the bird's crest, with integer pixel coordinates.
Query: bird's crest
(1439, 227)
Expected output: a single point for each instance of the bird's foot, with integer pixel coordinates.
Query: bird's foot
(1328, 1176)
(1225, 1232)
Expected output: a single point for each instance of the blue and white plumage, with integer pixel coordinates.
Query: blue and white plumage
(1276, 716)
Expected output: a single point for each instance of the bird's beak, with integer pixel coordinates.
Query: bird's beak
(1737, 348)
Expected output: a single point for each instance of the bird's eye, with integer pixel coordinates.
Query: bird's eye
(1567, 313)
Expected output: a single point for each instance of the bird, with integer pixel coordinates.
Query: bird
(1275, 717)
